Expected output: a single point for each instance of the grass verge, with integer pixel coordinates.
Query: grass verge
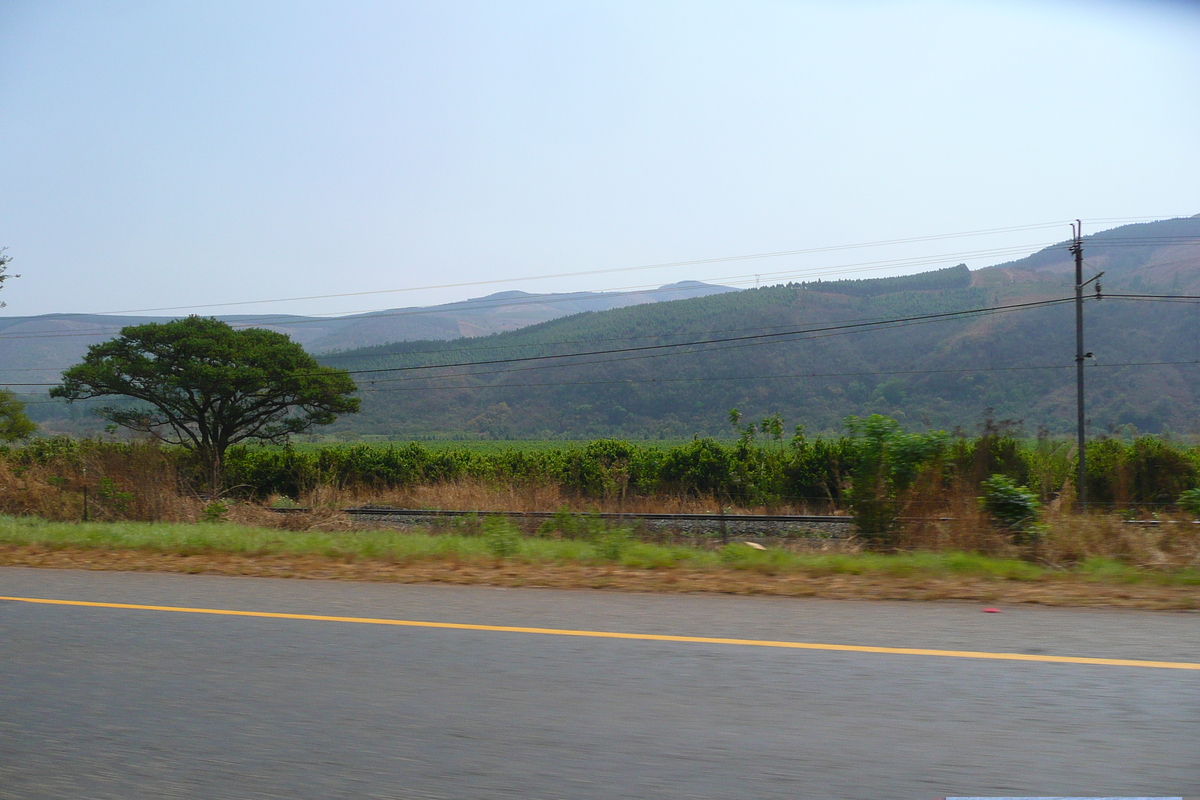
(610, 561)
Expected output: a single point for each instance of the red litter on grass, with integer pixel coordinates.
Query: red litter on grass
(991, 611)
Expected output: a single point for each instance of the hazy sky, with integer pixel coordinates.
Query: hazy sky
(175, 154)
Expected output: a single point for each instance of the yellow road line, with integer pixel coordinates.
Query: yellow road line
(653, 637)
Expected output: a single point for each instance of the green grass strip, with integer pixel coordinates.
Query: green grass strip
(613, 548)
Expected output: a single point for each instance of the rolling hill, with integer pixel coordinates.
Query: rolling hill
(674, 369)
(942, 373)
(35, 349)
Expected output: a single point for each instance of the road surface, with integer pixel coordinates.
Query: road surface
(107, 702)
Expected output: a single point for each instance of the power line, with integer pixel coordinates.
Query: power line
(863, 324)
(802, 337)
(776, 377)
(692, 262)
(700, 342)
(882, 321)
(758, 336)
(866, 373)
(1152, 297)
(281, 321)
(818, 272)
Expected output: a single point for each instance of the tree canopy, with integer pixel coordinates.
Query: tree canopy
(205, 386)
(14, 424)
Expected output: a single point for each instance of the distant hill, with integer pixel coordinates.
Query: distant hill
(36, 349)
(942, 373)
(939, 374)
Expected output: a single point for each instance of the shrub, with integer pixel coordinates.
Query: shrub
(1189, 501)
(612, 543)
(888, 463)
(570, 525)
(501, 537)
(214, 511)
(1013, 507)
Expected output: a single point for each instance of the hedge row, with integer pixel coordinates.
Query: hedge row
(820, 472)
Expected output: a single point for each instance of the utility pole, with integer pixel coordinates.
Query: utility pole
(1080, 355)
(1081, 477)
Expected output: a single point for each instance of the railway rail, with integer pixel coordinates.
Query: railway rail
(605, 515)
(813, 525)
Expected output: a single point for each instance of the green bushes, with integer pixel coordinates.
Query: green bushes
(745, 472)
(501, 537)
(1189, 501)
(1013, 507)
(877, 471)
(887, 465)
(286, 471)
(699, 467)
(1144, 472)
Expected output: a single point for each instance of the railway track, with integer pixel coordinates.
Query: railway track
(810, 525)
(385, 511)
(760, 524)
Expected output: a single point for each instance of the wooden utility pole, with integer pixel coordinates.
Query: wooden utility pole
(1080, 355)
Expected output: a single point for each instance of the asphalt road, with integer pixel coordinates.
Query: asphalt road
(121, 703)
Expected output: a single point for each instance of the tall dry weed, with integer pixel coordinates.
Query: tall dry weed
(475, 495)
(1071, 539)
(39, 491)
(139, 482)
(959, 525)
(1063, 540)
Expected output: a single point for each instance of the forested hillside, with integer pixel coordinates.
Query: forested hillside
(813, 353)
(810, 367)
(39, 348)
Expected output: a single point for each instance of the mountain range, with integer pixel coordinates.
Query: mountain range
(947, 372)
(814, 353)
(40, 347)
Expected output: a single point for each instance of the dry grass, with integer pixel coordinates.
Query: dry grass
(1077, 539)
(958, 526)
(1059, 591)
(606, 559)
(1065, 540)
(475, 495)
(142, 486)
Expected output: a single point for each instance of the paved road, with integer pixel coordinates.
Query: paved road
(119, 703)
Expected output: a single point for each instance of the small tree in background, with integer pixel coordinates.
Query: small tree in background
(888, 463)
(14, 425)
(205, 386)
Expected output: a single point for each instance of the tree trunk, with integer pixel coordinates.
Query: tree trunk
(210, 458)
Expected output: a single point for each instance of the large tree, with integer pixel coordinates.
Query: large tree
(205, 386)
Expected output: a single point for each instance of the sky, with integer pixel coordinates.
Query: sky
(200, 157)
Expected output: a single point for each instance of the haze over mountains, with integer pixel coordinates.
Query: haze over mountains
(942, 373)
(674, 369)
(41, 347)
